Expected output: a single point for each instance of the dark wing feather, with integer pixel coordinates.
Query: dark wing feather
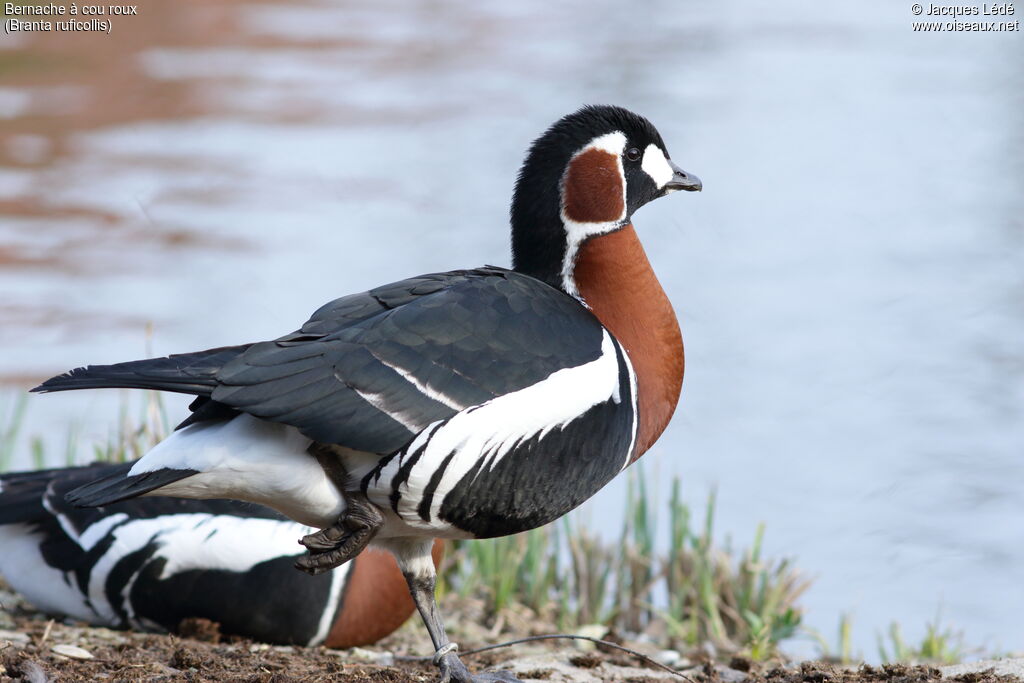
(186, 373)
(369, 371)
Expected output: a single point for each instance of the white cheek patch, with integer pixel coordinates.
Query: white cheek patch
(656, 165)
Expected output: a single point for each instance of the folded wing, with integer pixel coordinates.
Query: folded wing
(370, 371)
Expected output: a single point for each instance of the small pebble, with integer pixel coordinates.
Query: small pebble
(16, 637)
(670, 658)
(589, 631)
(378, 658)
(728, 675)
(71, 652)
(101, 633)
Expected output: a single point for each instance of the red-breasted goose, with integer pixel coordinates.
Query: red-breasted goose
(466, 404)
(148, 563)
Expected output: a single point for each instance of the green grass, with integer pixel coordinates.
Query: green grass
(939, 645)
(137, 431)
(11, 419)
(694, 594)
(134, 435)
(737, 603)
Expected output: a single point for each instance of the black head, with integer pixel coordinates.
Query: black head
(584, 177)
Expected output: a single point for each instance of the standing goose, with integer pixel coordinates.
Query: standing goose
(466, 404)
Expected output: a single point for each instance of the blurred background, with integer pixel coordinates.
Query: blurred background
(850, 283)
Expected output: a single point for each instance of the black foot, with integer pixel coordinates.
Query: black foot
(336, 545)
(453, 670)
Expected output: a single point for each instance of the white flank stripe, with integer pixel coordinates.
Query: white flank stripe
(51, 590)
(126, 603)
(236, 544)
(65, 524)
(95, 532)
(185, 543)
(339, 577)
(241, 543)
(632, 400)
(489, 431)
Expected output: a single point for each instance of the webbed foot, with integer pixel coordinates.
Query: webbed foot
(336, 545)
(454, 671)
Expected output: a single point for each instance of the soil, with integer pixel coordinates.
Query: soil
(35, 649)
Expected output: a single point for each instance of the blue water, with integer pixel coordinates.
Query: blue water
(850, 282)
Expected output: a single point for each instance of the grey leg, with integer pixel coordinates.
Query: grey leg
(445, 657)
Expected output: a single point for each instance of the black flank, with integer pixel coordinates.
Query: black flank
(271, 602)
(541, 479)
(428, 492)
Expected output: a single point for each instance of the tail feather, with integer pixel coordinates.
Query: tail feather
(186, 373)
(120, 486)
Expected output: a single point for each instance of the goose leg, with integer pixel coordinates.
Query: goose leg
(336, 545)
(421, 585)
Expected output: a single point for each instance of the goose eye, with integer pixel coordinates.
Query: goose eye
(633, 154)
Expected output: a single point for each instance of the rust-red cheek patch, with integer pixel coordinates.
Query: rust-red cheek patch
(592, 191)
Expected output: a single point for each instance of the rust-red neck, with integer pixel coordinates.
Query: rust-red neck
(616, 281)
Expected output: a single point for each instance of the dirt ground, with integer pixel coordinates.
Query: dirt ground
(35, 649)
